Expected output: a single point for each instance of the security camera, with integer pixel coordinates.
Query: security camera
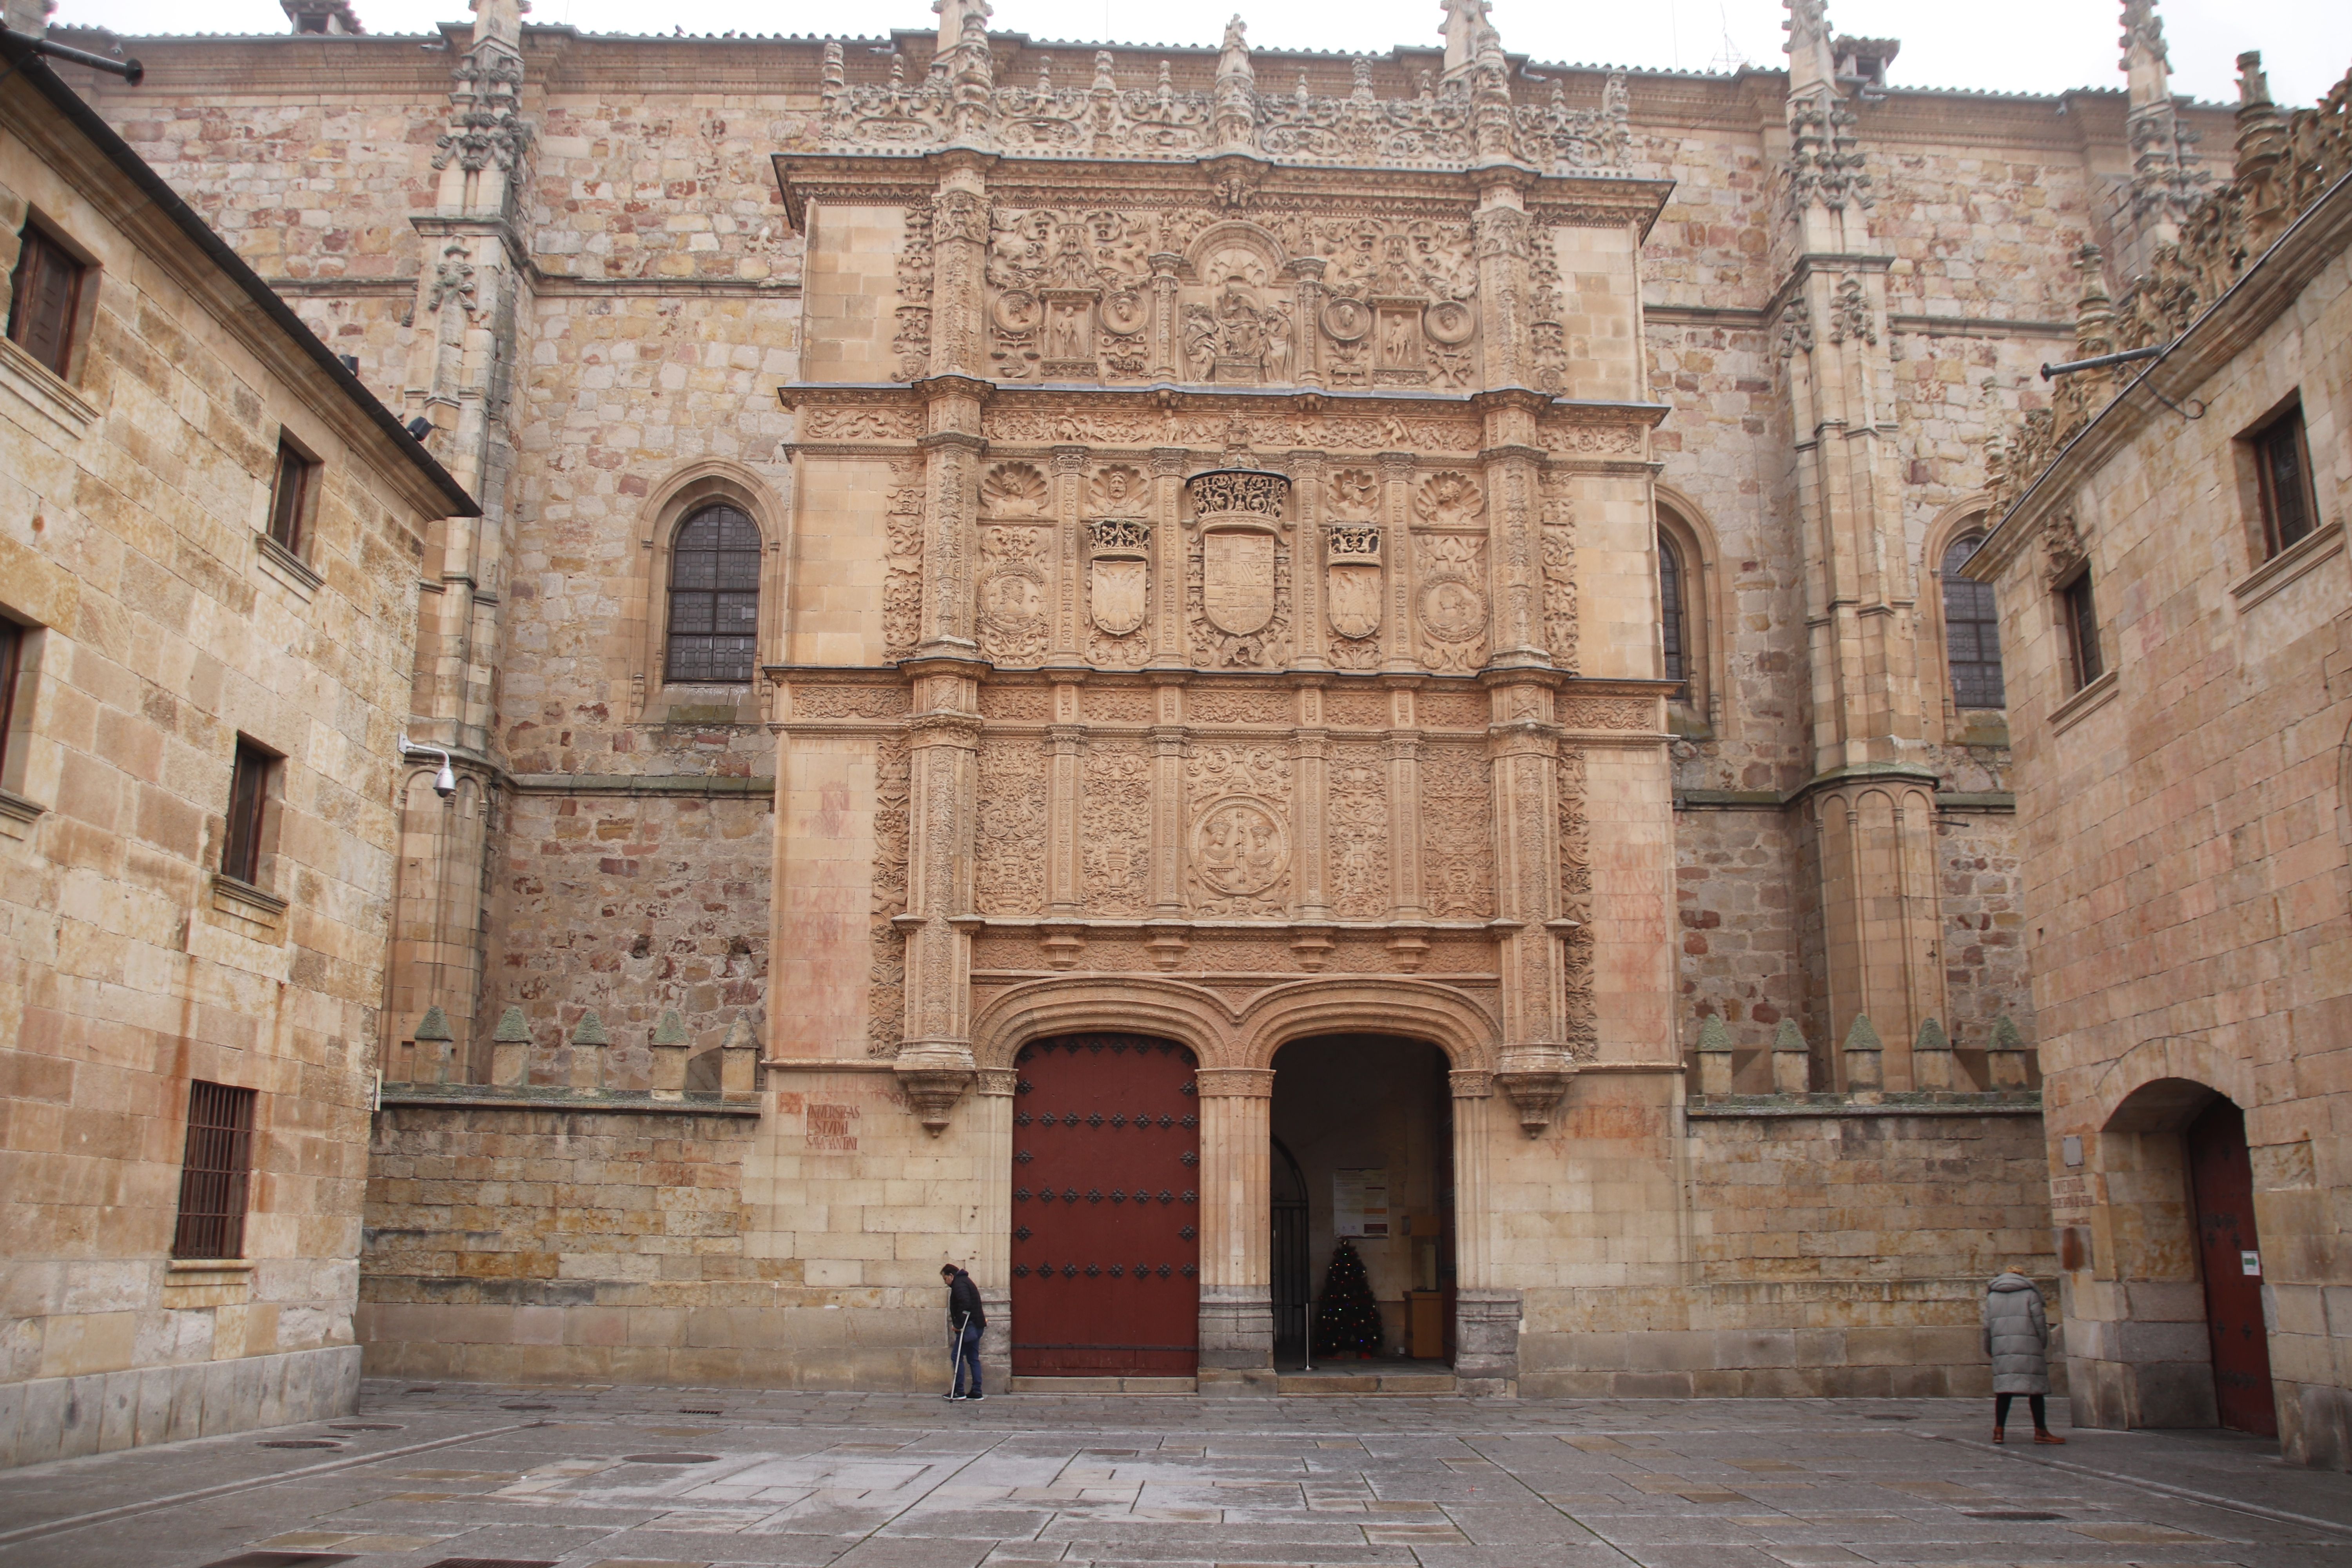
(444, 783)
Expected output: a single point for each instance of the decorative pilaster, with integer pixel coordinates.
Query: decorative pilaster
(1485, 1313)
(1236, 1269)
(1501, 227)
(1523, 749)
(935, 1062)
(1396, 545)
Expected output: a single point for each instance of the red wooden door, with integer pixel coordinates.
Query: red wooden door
(1106, 1209)
(2221, 1180)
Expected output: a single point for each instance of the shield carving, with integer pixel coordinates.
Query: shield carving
(1117, 594)
(1237, 581)
(1351, 590)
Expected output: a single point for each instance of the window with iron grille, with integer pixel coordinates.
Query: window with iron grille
(43, 296)
(290, 495)
(714, 598)
(2283, 473)
(249, 801)
(1972, 632)
(1671, 610)
(2080, 614)
(215, 1172)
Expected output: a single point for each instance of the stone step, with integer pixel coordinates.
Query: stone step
(1325, 1383)
(1105, 1385)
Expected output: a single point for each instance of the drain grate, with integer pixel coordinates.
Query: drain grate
(698, 1410)
(1890, 1418)
(2012, 1515)
(299, 1443)
(669, 1459)
(494, 1563)
(281, 1560)
(363, 1426)
(426, 1388)
(526, 1406)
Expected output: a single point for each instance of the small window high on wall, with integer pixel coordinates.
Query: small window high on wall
(1971, 631)
(714, 598)
(45, 300)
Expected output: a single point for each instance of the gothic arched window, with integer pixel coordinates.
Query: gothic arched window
(714, 598)
(1674, 610)
(1971, 631)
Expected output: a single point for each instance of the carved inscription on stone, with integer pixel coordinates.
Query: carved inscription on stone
(1115, 826)
(1238, 848)
(1358, 830)
(1457, 837)
(1010, 844)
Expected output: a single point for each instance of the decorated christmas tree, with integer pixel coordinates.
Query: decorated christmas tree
(1347, 1320)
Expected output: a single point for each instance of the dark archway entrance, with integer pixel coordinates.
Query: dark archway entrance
(1106, 1209)
(1363, 1128)
(2229, 1256)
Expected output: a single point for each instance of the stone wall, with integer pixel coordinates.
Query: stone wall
(162, 628)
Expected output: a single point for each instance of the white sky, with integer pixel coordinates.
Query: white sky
(2022, 46)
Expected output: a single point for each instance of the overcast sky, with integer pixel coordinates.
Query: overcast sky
(2020, 46)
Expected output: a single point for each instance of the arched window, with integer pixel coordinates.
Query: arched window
(714, 598)
(1674, 610)
(1971, 631)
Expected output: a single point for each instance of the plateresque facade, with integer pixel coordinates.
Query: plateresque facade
(1410, 588)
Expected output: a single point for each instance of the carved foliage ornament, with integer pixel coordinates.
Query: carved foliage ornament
(486, 123)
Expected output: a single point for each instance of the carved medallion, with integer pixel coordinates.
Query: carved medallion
(1013, 599)
(1452, 602)
(1449, 321)
(1237, 580)
(1352, 579)
(1347, 320)
(1016, 311)
(1238, 848)
(1452, 608)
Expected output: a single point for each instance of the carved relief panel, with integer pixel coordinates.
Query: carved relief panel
(1358, 832)
(1457, 834)
(1118, 567)
(1450, 583)
(1016, 564)
(886, 984)
(1115, 826)
(1010, 846)
(1237, 846)
(1354, 586)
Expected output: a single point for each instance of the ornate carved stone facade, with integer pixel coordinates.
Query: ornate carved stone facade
(1209, 509)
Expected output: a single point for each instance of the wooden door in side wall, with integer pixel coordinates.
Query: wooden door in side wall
(2229, 1254)
(1106, 1209)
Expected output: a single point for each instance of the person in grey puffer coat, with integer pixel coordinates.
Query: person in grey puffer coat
(2017, 1338)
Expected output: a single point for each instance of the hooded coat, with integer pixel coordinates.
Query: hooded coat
(2017, 1335)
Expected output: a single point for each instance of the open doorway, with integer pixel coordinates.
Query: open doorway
(1363, 1153)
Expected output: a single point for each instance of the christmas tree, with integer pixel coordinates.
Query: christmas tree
(1347, 1320)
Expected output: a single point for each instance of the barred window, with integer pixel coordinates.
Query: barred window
(215, 1172)
(1972, 632)
(1672, 611)
(714, 598)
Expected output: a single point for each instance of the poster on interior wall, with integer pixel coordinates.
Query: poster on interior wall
(1360, 1203)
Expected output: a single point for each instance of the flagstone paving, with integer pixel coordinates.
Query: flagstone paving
(667, 1478)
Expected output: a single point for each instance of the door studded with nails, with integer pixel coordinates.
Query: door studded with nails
(1106, 1208)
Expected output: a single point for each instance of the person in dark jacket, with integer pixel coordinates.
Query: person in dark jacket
(2017, 1338)
(966, 1322)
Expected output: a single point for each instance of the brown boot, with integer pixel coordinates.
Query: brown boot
(2045, 1435)
(1996, 1434)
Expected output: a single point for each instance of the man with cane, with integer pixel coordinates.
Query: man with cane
(966, 1322)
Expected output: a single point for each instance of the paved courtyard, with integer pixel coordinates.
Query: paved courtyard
(660, 1478)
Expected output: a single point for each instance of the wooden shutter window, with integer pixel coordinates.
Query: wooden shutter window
(249, 797)
(2282, 466)
(215, 1172)
(289, 496)
(43, 297)
(2082, 615)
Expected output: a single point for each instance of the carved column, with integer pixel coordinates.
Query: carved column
(1513, 469)
(1411, 898)
(1168, 802)
(1308, 355)
(1523, 747)
(1065, 749)
(991, 1136)
(935, 1061)
(1164, 315)
(958, 261)
(1168, 647)
(1396, 543)
(1069, 507)
(1501, 229)
(951, 506)
(1306, 561)
(1485, 1314)
(1309, 813)
(1236, 1274)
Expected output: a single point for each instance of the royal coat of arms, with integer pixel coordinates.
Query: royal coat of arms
(1352, 579)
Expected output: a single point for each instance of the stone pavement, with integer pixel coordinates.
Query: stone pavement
(668, 1478)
